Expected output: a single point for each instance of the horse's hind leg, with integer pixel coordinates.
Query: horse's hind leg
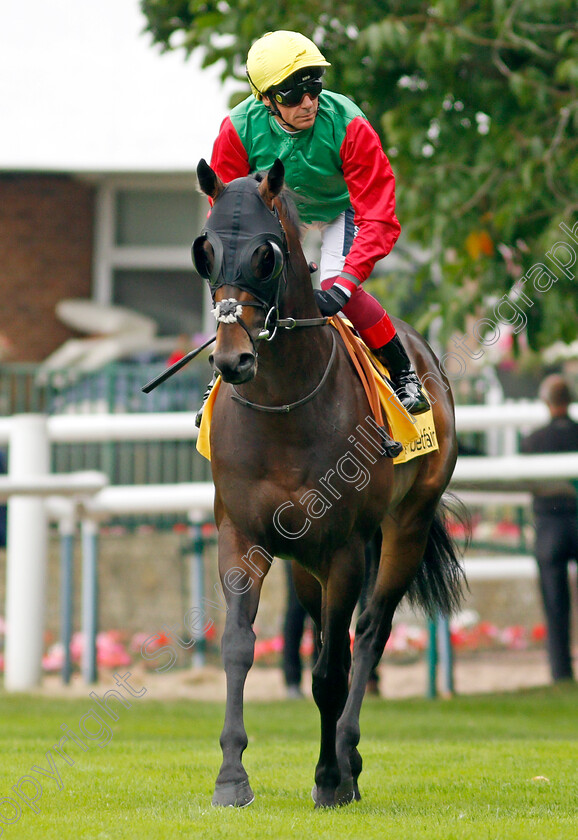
(331, 672)
(242, 568)
(402, 551)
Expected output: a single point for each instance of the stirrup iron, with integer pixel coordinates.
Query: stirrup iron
(389, 447)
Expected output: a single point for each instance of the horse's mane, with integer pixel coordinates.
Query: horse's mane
(289, 209)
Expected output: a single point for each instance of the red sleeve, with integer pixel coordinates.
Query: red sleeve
(229, 160)
(371, 186)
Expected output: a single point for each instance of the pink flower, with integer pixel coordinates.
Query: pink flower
(110, 653)
(54, 659)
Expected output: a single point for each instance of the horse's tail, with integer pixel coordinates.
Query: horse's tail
(439, 584)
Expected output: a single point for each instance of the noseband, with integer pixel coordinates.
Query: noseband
(229, 311)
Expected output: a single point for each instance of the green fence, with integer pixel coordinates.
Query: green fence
(20, 391)
(114, 389)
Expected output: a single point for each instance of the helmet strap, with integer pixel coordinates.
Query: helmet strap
(273, 109)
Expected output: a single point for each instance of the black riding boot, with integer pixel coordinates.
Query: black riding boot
(209, 388)
(405, 380)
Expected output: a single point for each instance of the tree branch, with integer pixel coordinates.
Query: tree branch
(479, 194)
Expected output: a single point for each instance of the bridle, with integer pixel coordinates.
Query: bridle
(229, 311)
(232, 266)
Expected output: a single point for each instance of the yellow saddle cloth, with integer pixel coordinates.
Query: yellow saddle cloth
(416, 433)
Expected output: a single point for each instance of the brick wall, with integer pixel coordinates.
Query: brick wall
(46, 232)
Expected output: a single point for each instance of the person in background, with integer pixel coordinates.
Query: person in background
(556, 522)
(293, 627)
(3, 508)
(182, 347)
(6, 348)
(6, 352)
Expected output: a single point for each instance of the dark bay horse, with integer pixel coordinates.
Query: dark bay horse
(290, 480)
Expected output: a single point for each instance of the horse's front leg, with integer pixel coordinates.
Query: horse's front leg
(242, 568)
(331, 672)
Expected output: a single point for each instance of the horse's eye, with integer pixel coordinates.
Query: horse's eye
(203, 257)
(263, 262)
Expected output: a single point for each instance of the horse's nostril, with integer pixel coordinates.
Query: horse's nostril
(235, 368)
(246, 360)
(211, 359)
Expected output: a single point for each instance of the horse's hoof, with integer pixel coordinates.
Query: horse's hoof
(232, 795)
(317, 799)
(345, 793)
(323, 800)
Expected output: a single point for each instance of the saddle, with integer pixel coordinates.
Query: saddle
(414, 434)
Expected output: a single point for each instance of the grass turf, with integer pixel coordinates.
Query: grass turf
(500, 766)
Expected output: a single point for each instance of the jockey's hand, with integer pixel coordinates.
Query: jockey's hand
(331, 301)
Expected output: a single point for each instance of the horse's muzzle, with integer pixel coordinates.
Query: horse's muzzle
(235, 367)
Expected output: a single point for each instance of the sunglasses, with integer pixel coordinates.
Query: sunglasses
(293, 95)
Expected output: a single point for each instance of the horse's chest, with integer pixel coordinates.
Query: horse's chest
(298, 501)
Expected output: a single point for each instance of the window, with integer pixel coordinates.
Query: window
(155, 218)
(174, 299)
(144, 230)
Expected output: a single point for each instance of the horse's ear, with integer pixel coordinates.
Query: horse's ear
(276, 177)
(209, 181)
(272, 185)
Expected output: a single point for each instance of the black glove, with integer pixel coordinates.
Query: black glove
(332, 301)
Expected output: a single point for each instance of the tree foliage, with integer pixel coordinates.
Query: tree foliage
(477, 107)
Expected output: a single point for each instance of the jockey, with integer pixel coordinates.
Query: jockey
(341, 178)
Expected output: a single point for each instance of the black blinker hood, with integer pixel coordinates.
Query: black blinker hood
(231, 230)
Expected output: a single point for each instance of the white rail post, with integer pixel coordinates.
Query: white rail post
(27, 554)
(197, 584)
(89, 528)
(67, 528)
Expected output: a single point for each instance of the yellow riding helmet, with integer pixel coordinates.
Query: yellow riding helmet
(278, 55)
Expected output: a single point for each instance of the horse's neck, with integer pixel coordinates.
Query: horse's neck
(297, 300)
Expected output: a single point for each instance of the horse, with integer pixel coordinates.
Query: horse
(288, 484)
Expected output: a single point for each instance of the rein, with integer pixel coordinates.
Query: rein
(293, 323)
(229, 311)
(285, 409)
